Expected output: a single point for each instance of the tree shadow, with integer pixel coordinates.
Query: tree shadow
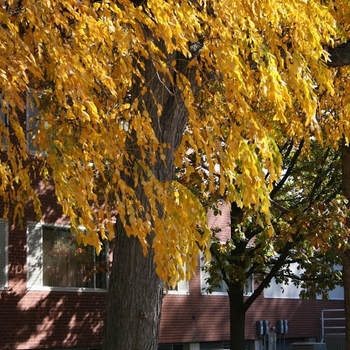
(194, 317)
(44, 318)
(40, 319)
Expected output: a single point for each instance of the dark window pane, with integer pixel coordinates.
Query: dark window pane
(65, 264)
(178, 347)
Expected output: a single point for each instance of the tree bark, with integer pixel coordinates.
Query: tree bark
(135, 298)
(339, 55)
(135, 291)
(346, 255)
(237, 318)
(236, 290)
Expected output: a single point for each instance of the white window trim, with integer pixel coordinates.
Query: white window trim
(34, 261)
(183, 288)
(4, 254)
(204, 275)
(204, 284)
(290, 291)
(31, 112)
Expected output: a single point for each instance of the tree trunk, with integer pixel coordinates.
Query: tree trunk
(237, 318)
(346, 256)
(135, 290)
(135, 298)
(339, 55)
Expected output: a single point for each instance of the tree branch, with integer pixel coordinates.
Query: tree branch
(339, 56)
(266, 281)
(291, 165)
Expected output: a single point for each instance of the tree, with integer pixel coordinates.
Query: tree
(308, 221)
(338, 110)
(118, 84)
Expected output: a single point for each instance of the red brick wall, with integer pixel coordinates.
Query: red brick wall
(34, 319)
(197, 318)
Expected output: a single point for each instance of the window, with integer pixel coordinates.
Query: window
(249, 286)
(170, 347)
(291, 291)
(32, 125)
(181, 288)
(286, 291)
(55, 260)
(3, 254)
(221, 289)
(215, 346)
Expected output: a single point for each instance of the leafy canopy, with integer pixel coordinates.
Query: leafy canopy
(308, 216)
(246, 72)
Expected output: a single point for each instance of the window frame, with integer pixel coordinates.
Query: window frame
(35, 239)
(31, 113)
(183, 288)
(204, 275)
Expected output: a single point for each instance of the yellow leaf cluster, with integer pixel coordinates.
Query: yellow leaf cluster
(244, 74)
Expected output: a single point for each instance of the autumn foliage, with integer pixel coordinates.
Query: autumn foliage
(245, 75)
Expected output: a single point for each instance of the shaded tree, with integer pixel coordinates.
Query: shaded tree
(307, 229)
(117, 85)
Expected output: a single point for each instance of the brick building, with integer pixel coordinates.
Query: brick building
(41, 309)
(47, 303)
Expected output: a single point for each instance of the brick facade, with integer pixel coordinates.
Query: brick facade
(52, 319)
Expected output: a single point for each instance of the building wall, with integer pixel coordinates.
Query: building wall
(36, 320)
(200, 318)
(51, 319)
